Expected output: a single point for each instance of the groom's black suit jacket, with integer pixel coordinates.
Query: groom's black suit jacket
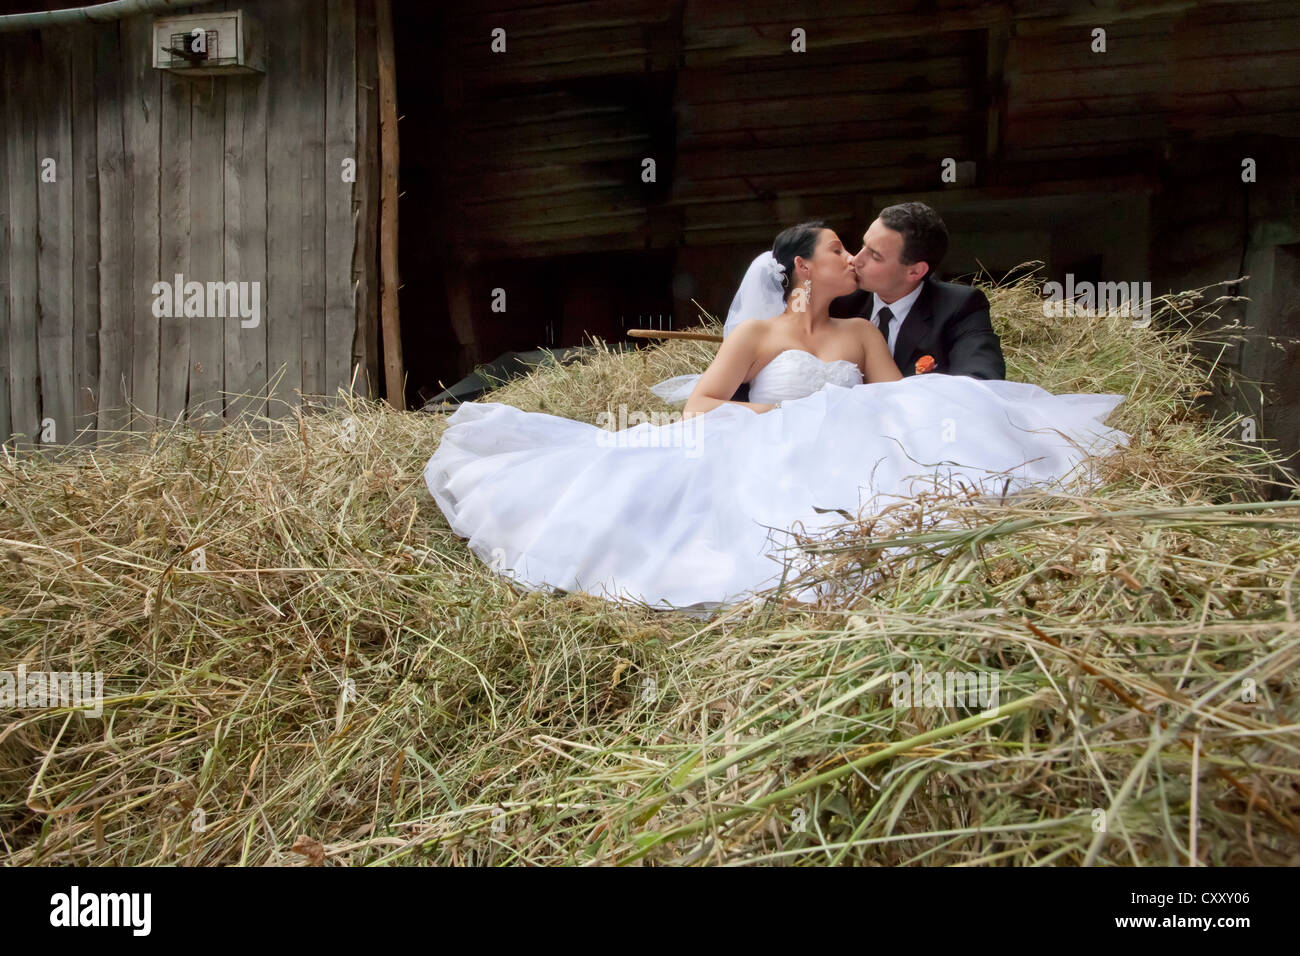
(948, 322)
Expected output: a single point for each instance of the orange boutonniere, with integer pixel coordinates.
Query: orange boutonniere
(925, 364)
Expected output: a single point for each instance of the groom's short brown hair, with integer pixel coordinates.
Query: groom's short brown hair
(925, 237)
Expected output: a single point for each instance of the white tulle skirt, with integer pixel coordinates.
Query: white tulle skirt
(695, 513)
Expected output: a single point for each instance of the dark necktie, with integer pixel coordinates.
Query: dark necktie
(885, 317)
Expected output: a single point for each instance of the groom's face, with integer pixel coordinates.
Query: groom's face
(880, 267)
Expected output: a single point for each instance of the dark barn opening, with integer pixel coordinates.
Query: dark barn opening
(525, 220)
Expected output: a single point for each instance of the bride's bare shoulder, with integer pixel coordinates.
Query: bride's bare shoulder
(752, 327)
(749, 333)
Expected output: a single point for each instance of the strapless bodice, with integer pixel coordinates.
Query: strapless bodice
(795, 373)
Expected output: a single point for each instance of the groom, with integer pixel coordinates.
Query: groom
(920, 316)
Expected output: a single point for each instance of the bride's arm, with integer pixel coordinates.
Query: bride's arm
(728, 370)
(880, 364)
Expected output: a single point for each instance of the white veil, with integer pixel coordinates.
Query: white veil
(761, 296)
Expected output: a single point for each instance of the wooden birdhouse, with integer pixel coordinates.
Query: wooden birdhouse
(210, 44)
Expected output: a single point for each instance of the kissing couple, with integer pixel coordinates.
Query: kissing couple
(822, 295)
(843, 383)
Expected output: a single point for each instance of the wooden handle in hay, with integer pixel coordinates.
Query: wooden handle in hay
(656, 334)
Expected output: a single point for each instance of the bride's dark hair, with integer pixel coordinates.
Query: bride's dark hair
(798, 240)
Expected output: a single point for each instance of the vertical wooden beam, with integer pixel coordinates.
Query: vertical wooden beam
(85, 242)
(394, 380)
(114, 238)
(142, 117)
(365, 259)
(311, 122)
(54, 141)
(284, 185)
(245, 244)
(20, 91)
(6, 62)
(995, 100)
(174, 244)
(205, 408)
(340, 233)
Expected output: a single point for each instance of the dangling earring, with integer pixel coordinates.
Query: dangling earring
(799, 297)
(807, 289)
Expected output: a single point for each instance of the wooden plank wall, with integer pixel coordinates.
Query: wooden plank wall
(818, 140)
(1210, 71)
(234, 179)
(552, 160)
(552, 131)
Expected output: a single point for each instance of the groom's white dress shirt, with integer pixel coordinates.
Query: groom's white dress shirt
(899, 308)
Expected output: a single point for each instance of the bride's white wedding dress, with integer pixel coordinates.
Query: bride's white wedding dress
(694, 512)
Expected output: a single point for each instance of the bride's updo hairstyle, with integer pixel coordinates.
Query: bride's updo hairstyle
(798, 240)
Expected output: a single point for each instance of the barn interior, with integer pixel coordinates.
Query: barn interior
(523, 169)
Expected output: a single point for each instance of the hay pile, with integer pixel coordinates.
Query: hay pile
(304, 666)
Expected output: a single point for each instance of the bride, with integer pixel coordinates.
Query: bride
(807, 268)
(698, 512)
